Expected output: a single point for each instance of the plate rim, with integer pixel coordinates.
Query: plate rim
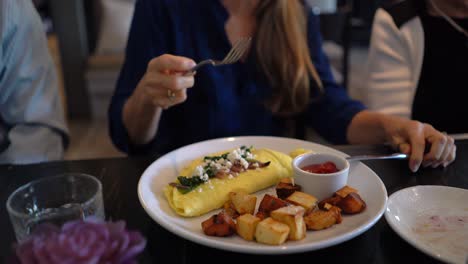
(410, 239)
(270, 250)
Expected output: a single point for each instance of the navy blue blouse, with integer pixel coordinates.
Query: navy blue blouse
(226, 100)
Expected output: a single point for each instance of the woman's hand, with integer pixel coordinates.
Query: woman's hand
(165, 83)
(425, 145)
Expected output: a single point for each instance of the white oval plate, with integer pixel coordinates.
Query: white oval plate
(433, 219)
(164, 170)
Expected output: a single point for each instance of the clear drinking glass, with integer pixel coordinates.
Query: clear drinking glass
(55, 200)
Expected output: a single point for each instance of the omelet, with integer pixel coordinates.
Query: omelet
(214, 193)
(293, 154)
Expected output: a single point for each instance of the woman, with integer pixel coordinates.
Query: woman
(418, 62)
(284, 73)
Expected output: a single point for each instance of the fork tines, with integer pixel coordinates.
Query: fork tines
(238, 50)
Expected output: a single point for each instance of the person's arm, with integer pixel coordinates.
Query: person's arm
(141, 118)
(148, 76)
(30, 102)
(142, 111)
(342, 120)
(392, 66)
(392, 71)
(409, 136)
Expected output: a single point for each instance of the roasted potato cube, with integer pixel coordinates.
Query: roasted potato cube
(246, 225)
(343, 192)
(219, 225)
(243, 202)
(327, 206)
(229, 209)
(303, 199)
(270, 203)
(293, 216)
(261, 215)
(272, 232)
(225, 218)
(337, 212)
(320, 219)
(284, 189)
(207, 225)
(332, 200)
(352, 204)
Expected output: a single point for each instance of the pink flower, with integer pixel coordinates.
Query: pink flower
(81, 241)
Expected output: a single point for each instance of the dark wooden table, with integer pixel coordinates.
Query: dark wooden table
(380, 244)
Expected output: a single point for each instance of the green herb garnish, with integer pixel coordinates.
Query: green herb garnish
(215, 158)
(187, 184)
(247, 150)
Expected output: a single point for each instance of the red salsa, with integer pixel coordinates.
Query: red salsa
(326, 167)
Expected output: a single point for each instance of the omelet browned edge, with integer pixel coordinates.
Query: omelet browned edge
(211, 196)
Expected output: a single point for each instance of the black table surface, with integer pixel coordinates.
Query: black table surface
(120, 176)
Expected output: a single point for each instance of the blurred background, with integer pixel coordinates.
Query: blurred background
(87, 40)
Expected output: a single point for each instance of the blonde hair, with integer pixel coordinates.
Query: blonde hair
(283, 54)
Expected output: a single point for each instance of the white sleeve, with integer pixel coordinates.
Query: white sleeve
(391, 79)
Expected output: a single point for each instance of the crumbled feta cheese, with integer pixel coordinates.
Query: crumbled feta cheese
(204, 177)
(234, 155)
(244, 163)
(224, 164)
(199, 171)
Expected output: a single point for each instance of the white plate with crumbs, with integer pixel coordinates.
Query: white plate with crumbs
(165, 170)
(434, 219)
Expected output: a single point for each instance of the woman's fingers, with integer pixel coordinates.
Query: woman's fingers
(416, 138)
(405, 148)
(408, 137)
(175, 81)
(169, 81)
(441, 148)
(448, 155)
(166, 81)
(440, 161)
(177, 97)
(167, 98)
(437, 144)
(437, 141)
(168, 90)
(170, 63)
(174, 98)
(451, 157)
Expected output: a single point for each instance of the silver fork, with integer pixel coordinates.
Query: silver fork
(236, 53)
